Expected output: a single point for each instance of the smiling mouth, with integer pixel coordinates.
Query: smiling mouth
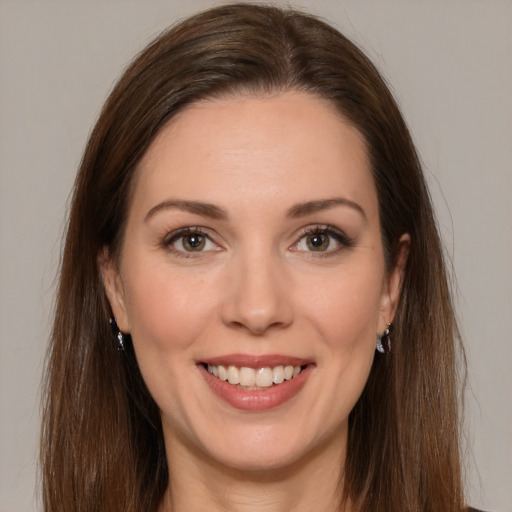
(253, 379)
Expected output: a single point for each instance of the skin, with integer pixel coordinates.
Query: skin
(256, 288)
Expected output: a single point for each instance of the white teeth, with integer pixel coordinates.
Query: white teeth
(278, 375)
(264, 377)
(233, 375)
(288, 372)
(249, 377)
(223, 374)
(214, 370)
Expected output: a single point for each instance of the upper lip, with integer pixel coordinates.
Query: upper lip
(253, 361)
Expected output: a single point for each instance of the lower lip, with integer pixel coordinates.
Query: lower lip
(256, 400)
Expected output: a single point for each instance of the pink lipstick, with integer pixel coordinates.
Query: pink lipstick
(255, 383)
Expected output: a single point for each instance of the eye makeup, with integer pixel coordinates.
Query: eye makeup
(322, 240)
(190, 242)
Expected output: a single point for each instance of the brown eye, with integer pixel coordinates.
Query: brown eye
(190, 240)
(194, 242)
(318, 241)
(323, 240)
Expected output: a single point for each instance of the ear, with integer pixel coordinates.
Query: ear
(114, 289)
(393, 283)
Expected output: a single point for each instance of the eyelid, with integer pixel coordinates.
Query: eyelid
(343, 240)
(174, 235)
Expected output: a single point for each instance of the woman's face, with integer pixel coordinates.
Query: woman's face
(252, 252)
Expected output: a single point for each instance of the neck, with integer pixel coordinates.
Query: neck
(314, 483)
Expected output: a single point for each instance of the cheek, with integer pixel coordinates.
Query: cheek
(345, 305)
(348, 318)
(166, 312)
(168, 316)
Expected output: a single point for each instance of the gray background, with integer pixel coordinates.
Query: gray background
(450, 65)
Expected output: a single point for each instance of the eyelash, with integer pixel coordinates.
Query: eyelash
(174, 236)
(342, 240)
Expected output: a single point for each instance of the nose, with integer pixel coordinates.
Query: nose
(258, 295)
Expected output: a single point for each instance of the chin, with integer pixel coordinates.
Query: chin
(267, 448)
(259, 460)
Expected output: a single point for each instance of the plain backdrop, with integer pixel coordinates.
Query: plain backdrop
(450, 66)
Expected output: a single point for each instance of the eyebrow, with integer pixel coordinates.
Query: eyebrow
(303, 209)
(197, 207)
(214, 212)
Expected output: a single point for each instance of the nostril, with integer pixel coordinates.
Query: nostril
(256, 328)
(257, 303)
(238, 325)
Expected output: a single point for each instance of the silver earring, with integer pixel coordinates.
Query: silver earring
(384, 341)
(117, 333)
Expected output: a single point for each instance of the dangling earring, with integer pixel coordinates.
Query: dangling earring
(117, 333)
(384, 341)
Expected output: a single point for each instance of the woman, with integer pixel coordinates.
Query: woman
(251, 220)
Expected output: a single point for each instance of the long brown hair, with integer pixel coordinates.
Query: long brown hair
(102, 444)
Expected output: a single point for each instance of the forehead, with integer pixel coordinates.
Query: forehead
(256, 149)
